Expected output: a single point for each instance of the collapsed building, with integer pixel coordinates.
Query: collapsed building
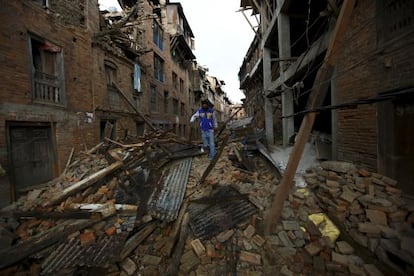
(366, 112)
(153, 204)
(73, 76)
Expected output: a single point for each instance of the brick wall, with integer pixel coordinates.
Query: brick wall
(19, 19)
(365, 69)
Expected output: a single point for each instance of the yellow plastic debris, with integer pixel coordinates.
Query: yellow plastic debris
(325, 225)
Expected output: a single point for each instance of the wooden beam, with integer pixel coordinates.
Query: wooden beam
(179, 249)
(46, 215)
(129, 101)
(316, 97)
(83, 184)
(35, 244)
(136, 239)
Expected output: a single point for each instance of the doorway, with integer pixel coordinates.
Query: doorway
(31, 154)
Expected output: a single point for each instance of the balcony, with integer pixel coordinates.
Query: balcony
(47, 90)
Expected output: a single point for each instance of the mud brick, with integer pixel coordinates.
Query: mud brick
(388, 232)
(290, 225)
(313, 248)
(299, 243)
(188, 261)
(389, 181)
(369, 228)
(129, 266)
(333, 267)
(319, 264)
(332, 183)
(151, 260)
(364, 172)
(198, 247)
(283, 236)
(291, 235)
(377, 181)
(258, 240)
(299, 195)
(287, 213)
(205, 260)
(224, 236)
(376, 216)
(358, 237)
(110, 231)
(398, 216)
(373, 244)
(377, 175)
(285, 271)
(247, 244)
(249, 231)
(372, 270)
(371, 190)
(381, 202)
(392, 190)
(251, 258)
(337, 166)
(211, 251)
(355, 269)
(312, 229)
(344, 248)
(340, 259)
(87, 238)
(348, 195)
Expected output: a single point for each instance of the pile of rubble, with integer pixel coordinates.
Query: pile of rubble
(157, 206)
(370, 208)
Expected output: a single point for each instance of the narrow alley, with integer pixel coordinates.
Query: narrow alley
(102, 172)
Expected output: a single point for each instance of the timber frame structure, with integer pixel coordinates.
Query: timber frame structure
(366, 113)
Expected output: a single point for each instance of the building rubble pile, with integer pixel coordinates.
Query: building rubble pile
(84, 216)
(219, 227)
(371, 209)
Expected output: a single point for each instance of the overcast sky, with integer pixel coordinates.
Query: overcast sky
(222, 38)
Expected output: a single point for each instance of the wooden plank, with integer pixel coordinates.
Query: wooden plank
(83, 184)
(316, 97)
(148, 122)
(95, 207)
(214, 161)
(69, 161)
(136, 239)
(46, 215)
(39, 242)
(172, 240)
(176, 257)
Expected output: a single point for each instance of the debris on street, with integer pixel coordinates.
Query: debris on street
(128, 207)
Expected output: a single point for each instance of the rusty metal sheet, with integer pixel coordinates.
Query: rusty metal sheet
(226, 209)
(165, 202)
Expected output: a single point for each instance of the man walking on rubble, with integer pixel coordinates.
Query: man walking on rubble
(208, 123)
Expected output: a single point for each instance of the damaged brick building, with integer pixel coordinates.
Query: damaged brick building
(73, 76)
(367, 112)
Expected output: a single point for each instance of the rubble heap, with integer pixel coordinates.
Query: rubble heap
(157, 206)
(370, 208)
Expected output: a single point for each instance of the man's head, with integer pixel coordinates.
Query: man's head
(205, 104)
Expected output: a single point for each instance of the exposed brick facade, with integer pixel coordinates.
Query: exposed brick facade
(366, 68)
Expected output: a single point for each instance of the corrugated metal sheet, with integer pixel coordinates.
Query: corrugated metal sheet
(166, 201)
(105, 250)
(227, 208)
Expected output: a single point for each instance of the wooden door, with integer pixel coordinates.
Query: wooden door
(32, 155)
